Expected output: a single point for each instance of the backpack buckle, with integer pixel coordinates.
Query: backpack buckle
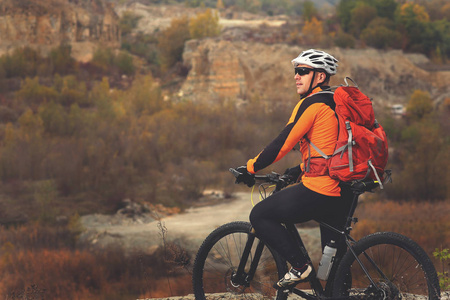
(347, 125)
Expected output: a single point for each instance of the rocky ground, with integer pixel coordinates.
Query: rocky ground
(444, 296)
(209, 297)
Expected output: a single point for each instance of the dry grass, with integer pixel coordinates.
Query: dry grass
(38, 262)
(427, 223)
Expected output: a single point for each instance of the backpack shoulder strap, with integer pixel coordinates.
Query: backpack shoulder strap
(326, 97)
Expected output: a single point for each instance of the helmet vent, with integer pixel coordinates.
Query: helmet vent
(317, 59)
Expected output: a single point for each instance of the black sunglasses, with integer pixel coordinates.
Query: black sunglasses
(302, 70)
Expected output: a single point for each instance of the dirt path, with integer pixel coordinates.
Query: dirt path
(189, 228)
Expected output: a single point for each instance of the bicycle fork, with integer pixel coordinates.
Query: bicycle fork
(240, 278)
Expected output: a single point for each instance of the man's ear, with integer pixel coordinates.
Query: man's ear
(322, 77)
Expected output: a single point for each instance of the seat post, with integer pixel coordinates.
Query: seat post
(348, 223)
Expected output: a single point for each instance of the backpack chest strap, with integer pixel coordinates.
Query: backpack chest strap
(308, 163)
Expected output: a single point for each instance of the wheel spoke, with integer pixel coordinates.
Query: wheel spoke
(218, 259)
(407, 271)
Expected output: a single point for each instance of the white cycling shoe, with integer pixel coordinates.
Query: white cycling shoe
(293, 276)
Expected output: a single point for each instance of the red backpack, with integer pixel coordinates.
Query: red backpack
(361, 150)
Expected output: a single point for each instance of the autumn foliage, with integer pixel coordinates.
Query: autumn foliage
(79, 138)
(47, 262)
(426, 223)
(44, 263)
(204, 25)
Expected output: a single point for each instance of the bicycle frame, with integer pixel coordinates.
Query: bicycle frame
(242, 278)
(232, 259)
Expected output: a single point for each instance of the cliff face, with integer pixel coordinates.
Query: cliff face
(238, 69)
(45, 24)
(220, 68)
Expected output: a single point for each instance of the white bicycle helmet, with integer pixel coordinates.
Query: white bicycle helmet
(318, 60)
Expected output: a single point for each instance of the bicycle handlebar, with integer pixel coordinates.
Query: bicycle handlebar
(284, 180)
(281, 181)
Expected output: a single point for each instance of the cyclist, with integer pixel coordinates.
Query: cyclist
(318, 196)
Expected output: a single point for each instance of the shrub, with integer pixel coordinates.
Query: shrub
(106, 59)
(361, 16)
(171, 42)
(54, 117)
(204, 25)
(144, 97)
(41, 262)
(313, 31)
(103, 58)
(32, 93)
(379, 34)
(444, 278)
(72, 91)
(420, 105)
(142, 45)
(22, 62)
(128, 22)
(59, 274)
(124, 62)
(344, 40)
(62, 61)
(425, 222)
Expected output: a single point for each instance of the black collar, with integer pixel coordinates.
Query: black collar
(324, 88)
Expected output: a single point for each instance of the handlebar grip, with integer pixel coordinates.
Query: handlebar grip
(234, 172)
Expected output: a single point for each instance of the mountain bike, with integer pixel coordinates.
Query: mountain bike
(234, 263)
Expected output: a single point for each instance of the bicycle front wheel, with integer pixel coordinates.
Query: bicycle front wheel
(216, 266)
(398, 268)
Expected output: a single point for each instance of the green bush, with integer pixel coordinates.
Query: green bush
(204, 24)
(345, 40)
(419, 152)
(444, 278)
(22, 62)
(54, 117)
(32, 93)
(128, 22)
(379, 34)
(107, 59)
(103, 58)
(61, 60)
(124, 62)
(171, 42)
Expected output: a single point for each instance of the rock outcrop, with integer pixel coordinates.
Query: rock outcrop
(248, 61)
(44, 24)
(239, 69)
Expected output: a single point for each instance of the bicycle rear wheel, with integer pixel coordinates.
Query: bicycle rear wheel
(218, 259)
(399, 268)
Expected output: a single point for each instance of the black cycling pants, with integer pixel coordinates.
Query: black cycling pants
(298, 204)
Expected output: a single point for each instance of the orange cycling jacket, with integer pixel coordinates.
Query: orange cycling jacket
(312, 118)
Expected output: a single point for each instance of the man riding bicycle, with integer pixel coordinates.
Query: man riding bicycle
(318, 197)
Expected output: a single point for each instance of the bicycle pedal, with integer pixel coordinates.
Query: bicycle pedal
(287, 289)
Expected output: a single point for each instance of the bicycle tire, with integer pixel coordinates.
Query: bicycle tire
(219, 256)
(409, 270)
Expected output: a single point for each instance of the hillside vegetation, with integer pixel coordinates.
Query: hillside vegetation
(412, 26)
(80, 138)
